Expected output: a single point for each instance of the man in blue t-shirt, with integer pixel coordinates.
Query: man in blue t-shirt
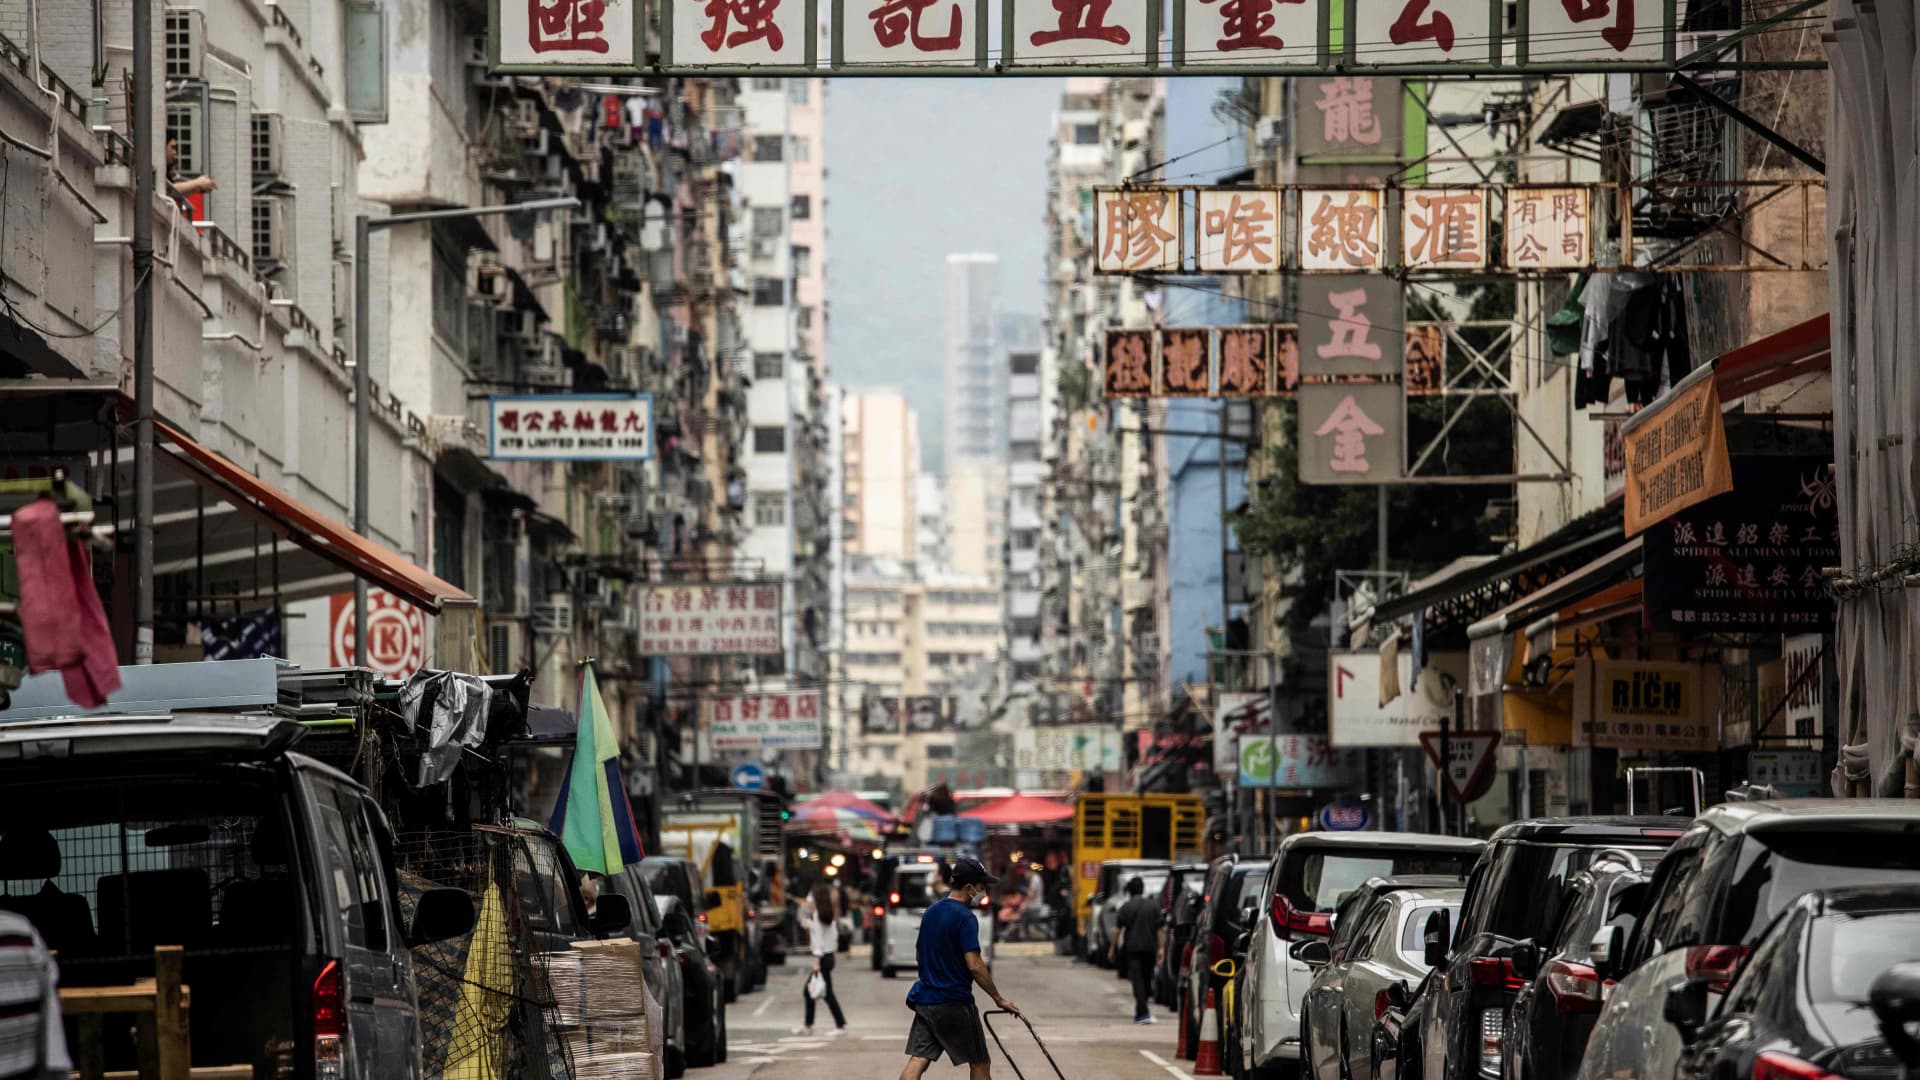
(948, 952)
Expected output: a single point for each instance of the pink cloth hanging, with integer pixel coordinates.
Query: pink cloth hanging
(60, 613)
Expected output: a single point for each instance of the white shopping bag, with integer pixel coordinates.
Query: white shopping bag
(817, 986)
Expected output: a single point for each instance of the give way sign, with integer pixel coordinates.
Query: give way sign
(1470, 759)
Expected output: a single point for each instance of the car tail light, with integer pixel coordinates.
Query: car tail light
(1493, 1038)
(1216, 950)
(329, 1021)
(1288, 920)
(1714, 964)
(664, 950)
(893, 898)
(983, 902)
(1576, 987)
(878, 910)
(703, 916)
(1381, 1003)
(1774, 1065)
(1495, 972)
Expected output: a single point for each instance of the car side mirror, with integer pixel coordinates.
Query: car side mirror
(1609, 945)
(1242, 943)
(712, 899)
(1686, 1009)
(440, 914)
(1313, 952)
(1435, 939)
(1895, 997)
(1525, 958)
(611, 915)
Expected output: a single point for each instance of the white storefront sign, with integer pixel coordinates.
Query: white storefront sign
(1357, 718)
(570, 427)
(719, 619)
(771, 721)
(1085, 747)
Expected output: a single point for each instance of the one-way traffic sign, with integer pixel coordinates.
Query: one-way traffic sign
(1470, 755)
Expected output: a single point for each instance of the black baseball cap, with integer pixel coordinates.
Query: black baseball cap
(969, 872)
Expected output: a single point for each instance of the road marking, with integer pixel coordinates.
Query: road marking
(761, 1011)
(1162, 1062)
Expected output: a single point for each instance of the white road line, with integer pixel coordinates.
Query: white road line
(1162, 1062)
(762, 1010)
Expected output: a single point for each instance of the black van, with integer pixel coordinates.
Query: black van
(272, 871)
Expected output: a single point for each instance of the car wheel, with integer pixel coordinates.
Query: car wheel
(720, 1036)
(1181, 1034)
(676, 1063)
(700, 1028)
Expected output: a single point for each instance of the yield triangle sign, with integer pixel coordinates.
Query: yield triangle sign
(1470, 754)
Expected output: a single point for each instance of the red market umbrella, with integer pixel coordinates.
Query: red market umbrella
(847, 800)
(1020, 810)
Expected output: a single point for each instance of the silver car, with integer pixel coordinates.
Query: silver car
(1112, 896)
(1377, 946)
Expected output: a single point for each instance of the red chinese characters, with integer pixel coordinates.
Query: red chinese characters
(1129, 363)
(1081, 20)
(567, 26)
(1410, 27)
(898, 22)
(734, 23)
(1183, 363)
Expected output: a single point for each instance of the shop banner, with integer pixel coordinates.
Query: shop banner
(928, 714)
(570, 427)
(1355, 716)
(1806, 685)
(719, 619)
(1087, 748)
(1750, 559)
(881, 716)
(1650, 705)
(1238, 717)
(1297, 761)
(773, 721)
(1676, 452)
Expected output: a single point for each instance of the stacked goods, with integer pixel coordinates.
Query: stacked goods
(610, 1018)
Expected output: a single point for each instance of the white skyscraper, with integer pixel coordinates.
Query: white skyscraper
(974, 407)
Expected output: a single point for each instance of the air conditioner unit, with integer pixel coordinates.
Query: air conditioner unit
(553, 619)
(487, 284)
(269, 234)
(1270, 131)
(269, 136)
(186, 44)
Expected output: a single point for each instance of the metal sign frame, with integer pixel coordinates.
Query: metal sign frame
(1507, 53)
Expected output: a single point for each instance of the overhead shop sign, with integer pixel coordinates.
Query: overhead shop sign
(1266, 361)
(1356, 716)
(967, 37)
(1297, 761)
(1088, 748)
(718, 619)
(771, 721)
(1676, 450)
(570, 427)
(1646, 705)
(1353, 229)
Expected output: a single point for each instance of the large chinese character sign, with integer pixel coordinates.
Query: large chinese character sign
(1136, 229)
(1422, 32)
(577, 35)
(1351, 433)
(1078, 33)
(1238, 230)
(710, 619)
(571, 427)
(1563, 32)
(740, 33)
(920, 33)
(1351, 325)
(1268, 33)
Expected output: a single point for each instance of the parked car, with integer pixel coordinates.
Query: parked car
(675, 883)
(1311, 874)
(1734, 871)
(1804, 1005)
(912, 887)
(1180, 902)
(1222, 919)
(1457, 1023)
(1377, 950)
(551, 908)
(272, 870)
(659, 961)
(1111, 896)
(1554, 1012)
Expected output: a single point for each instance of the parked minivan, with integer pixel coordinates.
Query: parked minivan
(272, 871)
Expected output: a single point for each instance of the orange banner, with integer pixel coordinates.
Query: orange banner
(1676, 453)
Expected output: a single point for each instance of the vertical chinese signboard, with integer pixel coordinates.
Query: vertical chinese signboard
(1136, 229)
(1351, 325)
(1128, 364)
(1351, 433)
(1348, 117)
(1185, 363)
(718, 619)
(770, 721)
(552, 36)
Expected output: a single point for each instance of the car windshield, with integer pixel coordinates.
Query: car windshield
(1773, 873)
(1847, 954)
(1153, 884)
(1226, 906)
(1317, 879)
(1527, 888)
(665, 879)
(915, 889)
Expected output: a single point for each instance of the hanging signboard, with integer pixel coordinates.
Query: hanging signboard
(1139, 229)
(880, 716)
(1425, 353)
(966, 37)
(1806, 685)
(1298, 761)
(1351, 433)
(1089, 748)
(1650, 705)
(1751, 558)
(717, 619)
(1355, 716)
(396, 634)
(787, 720)
(1128, 364)
(570, 427)
(927, 714)
(1186, 363)
(1237, 230)
(1351, 325)
(1237, 718)
(1676, 452)
(1349, 116)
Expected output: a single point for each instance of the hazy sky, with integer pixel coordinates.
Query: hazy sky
(917, 168)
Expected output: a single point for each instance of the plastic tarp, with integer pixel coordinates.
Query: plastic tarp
(456, 719)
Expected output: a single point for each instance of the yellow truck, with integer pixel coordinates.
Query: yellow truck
(1115, 828)
(734, 838)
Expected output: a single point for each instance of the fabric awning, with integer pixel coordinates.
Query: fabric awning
(1622, 561)
(1020, 810)
(301, 525)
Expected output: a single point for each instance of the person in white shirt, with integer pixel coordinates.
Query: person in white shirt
(823, 939)
(32, 1044)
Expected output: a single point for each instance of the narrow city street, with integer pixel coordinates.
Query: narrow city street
(1082, 1012)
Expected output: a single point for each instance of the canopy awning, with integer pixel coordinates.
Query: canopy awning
(1454, 603)
(1801, 349)
(1621, 562)
(298, 524)
(1020, 810)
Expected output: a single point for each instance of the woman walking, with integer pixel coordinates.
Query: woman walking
(823, 936)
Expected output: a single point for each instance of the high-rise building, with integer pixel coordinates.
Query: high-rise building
(973, 409)
(1026, 475)
(881, 439)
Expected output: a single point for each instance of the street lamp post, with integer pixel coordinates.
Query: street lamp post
(363, 228)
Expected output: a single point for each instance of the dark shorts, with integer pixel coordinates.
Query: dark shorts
(954, 1029)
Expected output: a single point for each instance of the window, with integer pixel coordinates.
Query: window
(769, 508)
(545, 901)
(768, 147)
(798, 91)
(353, 865)
(1086, 134)
(1026, 363)
(767, 84)
(803, 318)
(802, 207)
(769, 440)
(802, 148)
(767, 222)
(937, 752)
(769, 292)
(449, 533)
(449, 293)
(802, 261)
(769, 365)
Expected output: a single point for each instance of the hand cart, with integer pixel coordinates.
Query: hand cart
(988, 1017)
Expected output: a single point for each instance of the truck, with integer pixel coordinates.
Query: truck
(1119, 826)
(734, 837)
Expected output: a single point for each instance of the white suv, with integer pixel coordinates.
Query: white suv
(1310, 874)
